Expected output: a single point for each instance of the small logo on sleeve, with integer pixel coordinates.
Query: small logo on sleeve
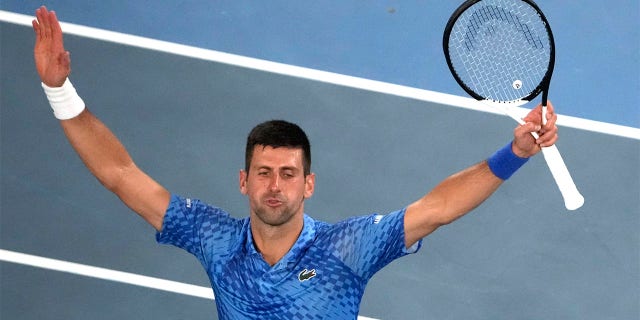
(306, 274)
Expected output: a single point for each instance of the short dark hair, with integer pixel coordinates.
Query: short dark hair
(275, 134)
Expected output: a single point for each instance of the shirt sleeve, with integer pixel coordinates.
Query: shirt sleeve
(369, 243)
(202, 230)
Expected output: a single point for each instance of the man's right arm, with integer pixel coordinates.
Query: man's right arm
(98, 147)
(108, 160)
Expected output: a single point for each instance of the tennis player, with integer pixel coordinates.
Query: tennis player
(277, 263)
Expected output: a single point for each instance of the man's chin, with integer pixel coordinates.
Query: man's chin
(274, 217)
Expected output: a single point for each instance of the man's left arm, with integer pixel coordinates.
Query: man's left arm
(463, 191)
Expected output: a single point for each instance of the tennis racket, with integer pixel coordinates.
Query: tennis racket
(502, 53)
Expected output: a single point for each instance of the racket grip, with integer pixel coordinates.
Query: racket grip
(572, 197)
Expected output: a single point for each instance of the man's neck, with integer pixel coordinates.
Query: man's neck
(273, 242)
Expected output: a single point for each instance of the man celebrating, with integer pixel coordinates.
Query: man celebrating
(277, 263)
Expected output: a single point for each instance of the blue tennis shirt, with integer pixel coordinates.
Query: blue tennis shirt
(323, 276)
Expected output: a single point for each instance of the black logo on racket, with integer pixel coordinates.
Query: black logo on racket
(487, 13)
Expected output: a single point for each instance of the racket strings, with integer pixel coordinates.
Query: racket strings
(491, 12)
(500, 50)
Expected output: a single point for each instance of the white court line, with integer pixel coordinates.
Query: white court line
(111, 275)
(106, 274)
(311, 74)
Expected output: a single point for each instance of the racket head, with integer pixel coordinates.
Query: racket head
(500, 50)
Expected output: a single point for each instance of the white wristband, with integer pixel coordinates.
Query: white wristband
(65, 102)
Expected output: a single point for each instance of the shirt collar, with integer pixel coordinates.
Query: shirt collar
(299, 247)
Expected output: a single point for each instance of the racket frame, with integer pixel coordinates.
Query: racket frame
(543, 86)
(572, 197)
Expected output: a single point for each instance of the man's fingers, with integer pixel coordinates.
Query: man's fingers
(548, 138)
(40, 22)
(551, 123)
(549, 142)
(547, 134)
(47, 25)
(535, 115)
(551, 115)
(524, 141)
(48, 30)
(56, 25)
(44, 21)
(527, 128)
(36, 27)
(550, 107)
(37, 23)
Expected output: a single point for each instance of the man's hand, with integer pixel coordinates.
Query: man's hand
(52, 61)
(524, 144)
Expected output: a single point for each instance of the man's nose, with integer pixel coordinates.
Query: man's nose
(274, 183)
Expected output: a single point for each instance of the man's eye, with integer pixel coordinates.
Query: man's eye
(288, 174)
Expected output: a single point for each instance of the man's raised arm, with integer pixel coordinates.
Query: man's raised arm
(465, 190)
(97, 146)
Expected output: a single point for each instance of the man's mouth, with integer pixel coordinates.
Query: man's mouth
(273, 202)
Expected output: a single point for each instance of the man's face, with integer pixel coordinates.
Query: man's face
(276, 185)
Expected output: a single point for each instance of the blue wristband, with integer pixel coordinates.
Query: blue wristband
(504, 163)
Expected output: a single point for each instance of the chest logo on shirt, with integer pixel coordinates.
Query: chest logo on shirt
(305, 274)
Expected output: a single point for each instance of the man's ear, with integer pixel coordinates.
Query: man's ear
(309, 185)
(242, 177)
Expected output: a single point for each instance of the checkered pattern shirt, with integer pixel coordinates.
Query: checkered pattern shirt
(323, 276)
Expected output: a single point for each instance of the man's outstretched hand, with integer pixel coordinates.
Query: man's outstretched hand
(52, 61)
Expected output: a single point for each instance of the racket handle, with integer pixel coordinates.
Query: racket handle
(572, 197)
